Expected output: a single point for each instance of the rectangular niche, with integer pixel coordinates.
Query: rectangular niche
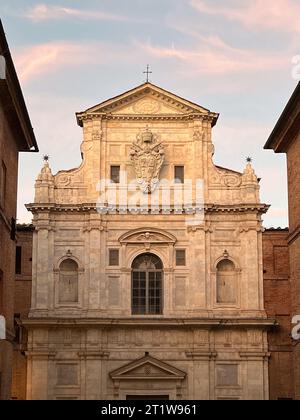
(67, 374)
(113, 291)
(179, 151)
(66, 233)
(115, 150)
(227, 375)
(223, 235)
(180, 292)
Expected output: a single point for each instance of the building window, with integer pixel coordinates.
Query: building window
(147, 282)
(115, 174)
(13, 229)
(68, 282)
(179, 174)
(226, 282)
(18, 260)
(180, 257)
(3, 180)
(113, 257)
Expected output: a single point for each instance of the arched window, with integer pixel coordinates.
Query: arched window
(147, 280)
(68, 281)
(226, 282)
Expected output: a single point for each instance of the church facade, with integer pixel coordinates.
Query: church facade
(147, 262)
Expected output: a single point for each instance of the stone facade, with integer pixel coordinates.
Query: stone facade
(285, 138)
(203, 332)
(15, 135)
(277, 293)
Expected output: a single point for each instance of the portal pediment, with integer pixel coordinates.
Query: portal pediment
(151, 236)
(148, 368)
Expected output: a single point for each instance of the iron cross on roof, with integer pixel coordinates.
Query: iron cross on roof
(147, 72)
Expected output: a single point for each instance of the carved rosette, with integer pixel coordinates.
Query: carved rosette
(147, 155)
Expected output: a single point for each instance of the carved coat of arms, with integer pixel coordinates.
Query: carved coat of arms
(148, 155)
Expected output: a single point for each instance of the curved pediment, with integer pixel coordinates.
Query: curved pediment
(151, 236)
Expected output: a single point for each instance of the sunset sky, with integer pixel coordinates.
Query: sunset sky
(233, 57)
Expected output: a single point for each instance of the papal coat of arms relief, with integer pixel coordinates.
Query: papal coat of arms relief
(148, 155)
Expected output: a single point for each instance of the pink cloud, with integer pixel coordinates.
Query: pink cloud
(40, 59)
(213, 56)
(280, 14)
(43, 12)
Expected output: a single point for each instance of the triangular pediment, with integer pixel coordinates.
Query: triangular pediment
(147, 99)
(150, 105)
(148, 368)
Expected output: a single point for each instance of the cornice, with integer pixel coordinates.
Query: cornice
(147, 117)
(201, 355)
(254, 356)
(93, 355)
(208, 208)
(43, 354)
(11, 93)
(209, 323)
(287, 127)
(294, 235)
(242, 208)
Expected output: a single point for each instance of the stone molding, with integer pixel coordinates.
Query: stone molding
(201, 355)
(93, 355)
(208, 208)
(255, 356)
(160, 321)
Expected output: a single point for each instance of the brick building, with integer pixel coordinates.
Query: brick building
(285, 138)
(22, 306)
(16, 135)
(277, 293)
